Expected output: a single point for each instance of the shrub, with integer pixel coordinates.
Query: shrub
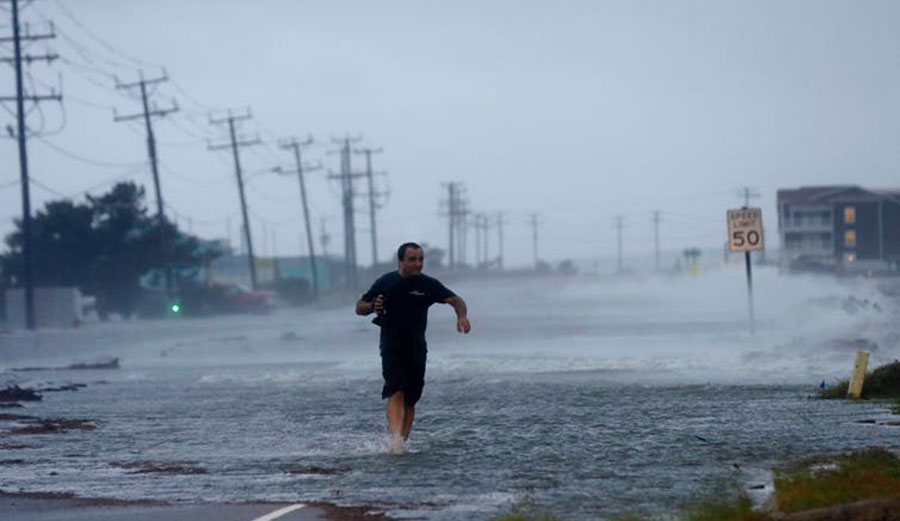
(818, 482)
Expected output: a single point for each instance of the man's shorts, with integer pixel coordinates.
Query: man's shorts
(403, 368)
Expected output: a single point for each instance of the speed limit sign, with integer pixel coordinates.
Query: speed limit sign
(745, 230)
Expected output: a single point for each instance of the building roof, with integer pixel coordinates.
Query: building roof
(825, 195)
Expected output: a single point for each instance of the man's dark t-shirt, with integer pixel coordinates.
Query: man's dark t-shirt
(406, 303)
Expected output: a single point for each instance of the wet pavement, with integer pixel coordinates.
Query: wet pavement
(37, 507)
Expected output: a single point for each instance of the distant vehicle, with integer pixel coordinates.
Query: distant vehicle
(238, 299)
(204, 300)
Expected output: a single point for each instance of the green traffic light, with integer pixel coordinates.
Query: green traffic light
(176, 308)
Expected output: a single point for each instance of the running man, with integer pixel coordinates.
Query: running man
(401, 300)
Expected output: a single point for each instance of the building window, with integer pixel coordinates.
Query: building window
(850, 238)
(849, 215)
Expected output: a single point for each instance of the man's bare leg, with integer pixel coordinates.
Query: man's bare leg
(410, 414)
(396, 416)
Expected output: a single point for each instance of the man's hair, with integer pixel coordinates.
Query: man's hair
(401, 251)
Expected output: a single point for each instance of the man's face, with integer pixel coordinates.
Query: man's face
(412, 262)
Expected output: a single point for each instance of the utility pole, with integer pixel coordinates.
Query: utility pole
(454, 212)
(748, 193)
(485, 229)
(300, 169)
(534, 221)
(228, 230)
(501, 220)
(373, 205)
(324, 237)
(463, 235)
(451, 212)
(235, 146)
(619, 219)
(346, 176)
(151, 150)
(21, 134)
(656, 220)
(146, 115)
(462, 225)
(474, 223)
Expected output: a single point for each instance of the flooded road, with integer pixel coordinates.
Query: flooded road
(591, 397)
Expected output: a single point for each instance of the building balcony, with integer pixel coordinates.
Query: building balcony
(807, 225)
(793, 251)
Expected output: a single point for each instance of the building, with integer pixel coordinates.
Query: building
(839, 227)
(235, 269)
(53, 307)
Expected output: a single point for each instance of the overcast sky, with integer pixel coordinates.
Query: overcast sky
(578, 110)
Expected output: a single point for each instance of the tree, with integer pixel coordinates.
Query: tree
(63, 243)
(102, 247)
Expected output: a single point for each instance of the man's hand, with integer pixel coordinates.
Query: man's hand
(379, 305)
(462, 315)
(463, 326)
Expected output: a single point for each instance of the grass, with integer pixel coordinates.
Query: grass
(728, 502)
(725, 502)
(881, 383)
(819, 482)
(526, 509)
(811, 483)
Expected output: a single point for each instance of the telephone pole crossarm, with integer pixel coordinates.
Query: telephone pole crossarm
(28, 58)
(34, 98)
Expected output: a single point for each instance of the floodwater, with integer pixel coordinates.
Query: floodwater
(588, 397)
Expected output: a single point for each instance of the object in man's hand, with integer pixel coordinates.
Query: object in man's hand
(380, 318)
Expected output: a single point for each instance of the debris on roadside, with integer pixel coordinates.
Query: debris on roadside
(14, 393)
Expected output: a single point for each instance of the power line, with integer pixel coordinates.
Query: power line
(127, 174)
(202, 221)
(190, 179)
(84, 159)
(82, 101)
(272, 222)
(203, 109)
(39, 184)
(270, 198)
(111, 48)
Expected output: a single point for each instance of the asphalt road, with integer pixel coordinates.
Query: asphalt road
(73, 509)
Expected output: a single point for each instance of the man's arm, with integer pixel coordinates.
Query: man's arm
(364, 308)
(367, 308)
(462, 320)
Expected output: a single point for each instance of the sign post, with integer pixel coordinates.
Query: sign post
(745, 233)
